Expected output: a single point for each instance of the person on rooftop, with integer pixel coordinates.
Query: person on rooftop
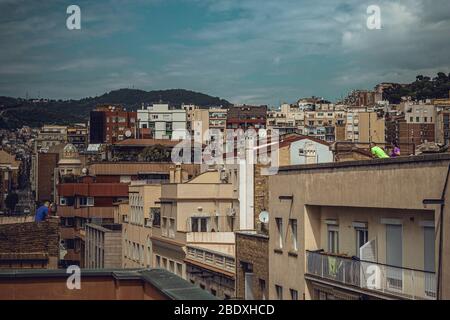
(42, 212)
(395, 151)
(377, 152)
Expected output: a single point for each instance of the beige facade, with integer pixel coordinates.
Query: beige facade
(321, 214)
(196, 231)
(143, 214)
(103, 246)
(364, 126)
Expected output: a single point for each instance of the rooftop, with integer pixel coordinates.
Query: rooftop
(374, 162)
(108, 284)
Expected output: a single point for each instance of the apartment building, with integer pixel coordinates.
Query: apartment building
(288, 119)
(380, 236)
(85, 201)
(9, 175)
(364, 126)
(44, 173)
(144, 213)
(195, 239)
(78, 135)
(246, 117)
(163, 121)
(418, 125)
(48, 136)
(217, 118)
(103, 246)
(442, 121)
(111, 123)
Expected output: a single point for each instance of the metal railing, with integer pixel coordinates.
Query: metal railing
(401, 282)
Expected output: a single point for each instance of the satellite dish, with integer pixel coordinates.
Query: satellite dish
(128, 133)
(264, 217)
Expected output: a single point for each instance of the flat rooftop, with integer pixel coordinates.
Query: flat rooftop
(100, 284)
(420, 159)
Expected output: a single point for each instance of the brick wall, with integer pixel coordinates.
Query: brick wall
(47, 163)
(261, 192)
(253, 249)
(28, 241)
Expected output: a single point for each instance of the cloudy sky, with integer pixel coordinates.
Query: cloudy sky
(246, 51)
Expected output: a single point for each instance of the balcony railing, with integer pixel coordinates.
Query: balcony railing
(212, 258)
(380, 278)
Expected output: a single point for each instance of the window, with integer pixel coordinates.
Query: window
(171, 228)
(164, 226)
(262, 288)
(293, 226)
(179, 269)
(172, 266)
(155, 214)
(66, 201)
(164, 263)
(279, 222)
(279, 292)
(361, 238)
(394, 254)
(158, 261)
(199, 224)
(333, 238)
(429, 261)
(294, 294)
(86, 201)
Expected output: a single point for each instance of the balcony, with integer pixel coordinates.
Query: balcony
(380, 279)
(212, 258)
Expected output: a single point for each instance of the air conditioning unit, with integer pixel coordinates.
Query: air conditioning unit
(231, 212)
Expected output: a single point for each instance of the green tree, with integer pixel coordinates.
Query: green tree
(156, 153)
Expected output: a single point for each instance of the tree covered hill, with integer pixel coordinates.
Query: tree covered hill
(17, 112)
(423, 88)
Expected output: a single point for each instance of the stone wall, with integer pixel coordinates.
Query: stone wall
(252, 249)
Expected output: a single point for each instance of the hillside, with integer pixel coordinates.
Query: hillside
(423, 88)
(15, 113)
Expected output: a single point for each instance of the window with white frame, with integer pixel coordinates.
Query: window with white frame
(294, 237)
(333, 238)
(279, 223)
(86, 201)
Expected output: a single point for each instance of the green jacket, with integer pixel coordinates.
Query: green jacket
(378, 152)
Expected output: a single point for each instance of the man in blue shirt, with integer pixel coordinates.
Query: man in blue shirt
(42, 212)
